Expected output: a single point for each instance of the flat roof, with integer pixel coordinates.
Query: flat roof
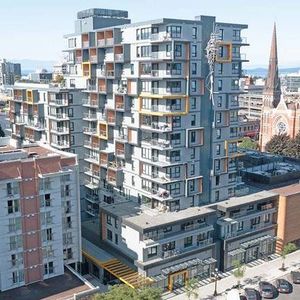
(243, 200)
(288, 190)
(146, 221)
(59, 287)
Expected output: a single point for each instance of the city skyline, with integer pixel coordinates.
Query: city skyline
(55, 18)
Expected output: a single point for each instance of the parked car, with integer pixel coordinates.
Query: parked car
(295, 276)
(267, 290)
(283, 286)
(252, 294)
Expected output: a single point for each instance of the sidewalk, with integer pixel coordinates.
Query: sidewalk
(266, 271)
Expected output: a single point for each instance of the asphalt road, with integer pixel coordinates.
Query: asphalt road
(295, 295)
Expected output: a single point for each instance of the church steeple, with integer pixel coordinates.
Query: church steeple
(272, 89)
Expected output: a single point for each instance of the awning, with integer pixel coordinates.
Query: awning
(124, 273)
(236, 252)
(256, 241)
(188, 264)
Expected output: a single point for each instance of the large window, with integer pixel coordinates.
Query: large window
(168, 246)
(194, 50)
(174, 31)
(152, 251)
(143, 51)
(143, 33)
(194, 34)
(188, 241)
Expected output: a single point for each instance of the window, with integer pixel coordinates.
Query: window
(192, 186)
(188, 241)
(218, 133)
(193, 103)
(17, 276)
(167, 229)
(108, 219)
(174, 188)
(235, 68)
(192, 172)
(178, 50)
(174, 31)
(72, 43)
(217, 180)
(219, 101)
(220, 69)
(255, 222)
(168, 246)
(194, 50)
(143, 51)
(193, 120)
(220, 85)
(193, 86)
(174, 69)
(72, 140)
(250, 207)
(48, 268)
(236, 35)
(70, 98)
(193, 153)
(219, 117)
(217, 195)
(218, 149)
(152, 251)
(109, 234)
(72, 83)
(267, 218)
(131, 69)
(221, 33)
(217, 165)
(194, 32)
(176, 122)
(72, 126)
(116, 239)
(15, 242)
(193, 137)
(12, 206)
(194, 68)
(240, 226)
(9, 189)
(143, 33)
(70, 112)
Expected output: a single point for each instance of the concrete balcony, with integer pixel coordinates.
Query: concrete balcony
(90, 103)
(162, 55)
(58, 102)
(119, 57)
(61, 144)
(89, 130)
(78, 60)
(60, 130)
(59, 116)
(89, 117)
(160, 127)
(92, 198)
(91, 158)
(157, 144)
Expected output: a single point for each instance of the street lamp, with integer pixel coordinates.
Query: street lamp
(216, 275)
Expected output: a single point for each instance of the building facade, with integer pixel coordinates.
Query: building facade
(280, 113)
(40, 214)
(9, 72)
(151, 132)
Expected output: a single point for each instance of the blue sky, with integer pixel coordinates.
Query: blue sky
(33, 29)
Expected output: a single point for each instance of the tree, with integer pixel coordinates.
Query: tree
(248, 143)
(59, 79)
(293, 147)
(239, 272)
(2, 133)
(124, 292)
(191, 288)
(287, 249)
(278, 144)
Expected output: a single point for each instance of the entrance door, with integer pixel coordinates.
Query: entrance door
(177, 280)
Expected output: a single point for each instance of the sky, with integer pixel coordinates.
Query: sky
(34, 29)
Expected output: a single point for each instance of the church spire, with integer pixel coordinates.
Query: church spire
(272, 89)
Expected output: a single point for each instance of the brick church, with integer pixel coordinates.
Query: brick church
(280, 112)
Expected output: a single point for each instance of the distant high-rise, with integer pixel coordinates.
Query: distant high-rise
(9, 72)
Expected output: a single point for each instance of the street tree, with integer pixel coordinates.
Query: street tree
(278, 144)
(287, 249)
(191, 288)
(239, 272)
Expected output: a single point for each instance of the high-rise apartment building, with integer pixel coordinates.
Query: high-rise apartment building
(160, 132)
(9, 72)
(39, 216)
(152, 134)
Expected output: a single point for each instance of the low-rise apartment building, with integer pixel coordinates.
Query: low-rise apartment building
(168, 247)
(246, 228)
(39, 214)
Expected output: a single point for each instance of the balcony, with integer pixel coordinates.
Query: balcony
(61, 144)
(92, 158)
(161, 127)
(110, 73)
(60, 130)
(90, 117)
(58, 102)
(60, 116)
(119, 57)
(115, 165)
(157, 144)
(89, 130)
(93, 59)
(109, 42)
(90, 102)
(162, 55)
(92, 198)
(89, 144)
(78, 60)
